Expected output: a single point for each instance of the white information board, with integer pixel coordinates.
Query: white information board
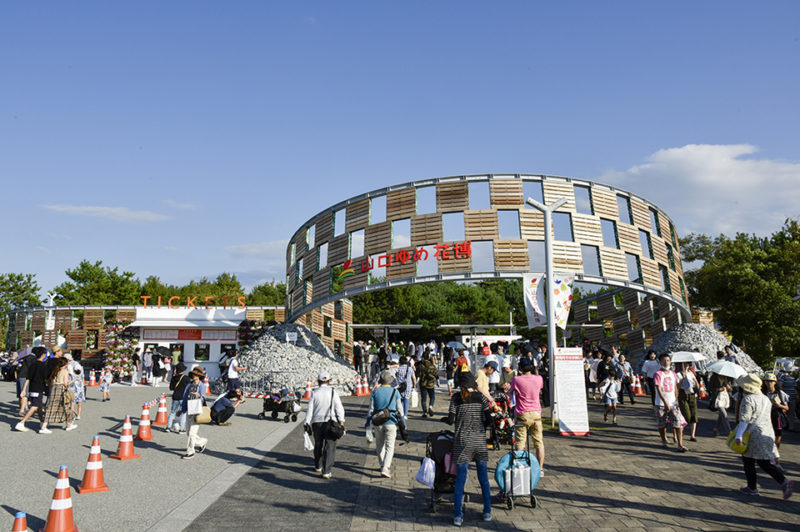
(573, 415)
(291, 337)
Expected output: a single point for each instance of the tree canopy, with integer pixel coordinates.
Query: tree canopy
(16, 290)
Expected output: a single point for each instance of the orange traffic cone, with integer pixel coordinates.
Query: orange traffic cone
(357, 390)
(208, 387)
(60, 517)
(93, 476)
(143, 432)
(161, 415)
(307, 396)
(365, 386)
(637, 387)
(703, 392)
(20, 522)
(92, 380)
(125, 449)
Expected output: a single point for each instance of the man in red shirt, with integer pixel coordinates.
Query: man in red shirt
(526, 389)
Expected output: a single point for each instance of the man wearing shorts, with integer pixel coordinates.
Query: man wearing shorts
(666, 403)
(233, 373)
(35, 386)
(526, 389)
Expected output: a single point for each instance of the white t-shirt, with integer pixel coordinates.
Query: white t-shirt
(233, 366)
(668, 382)
(650, 367)
(494, 378)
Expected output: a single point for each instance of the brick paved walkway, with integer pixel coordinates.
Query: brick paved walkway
(619, 478)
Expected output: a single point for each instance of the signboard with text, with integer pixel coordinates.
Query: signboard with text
(573, 416)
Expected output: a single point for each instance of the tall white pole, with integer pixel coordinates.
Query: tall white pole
(547, 211)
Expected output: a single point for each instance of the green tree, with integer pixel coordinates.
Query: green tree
(92, 284)
(269, 293)
(749, 281)
(16, 290)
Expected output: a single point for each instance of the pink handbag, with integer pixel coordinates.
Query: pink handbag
(450, 466)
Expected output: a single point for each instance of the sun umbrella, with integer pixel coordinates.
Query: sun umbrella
(728, 369)
(686, 356)
(456, 345)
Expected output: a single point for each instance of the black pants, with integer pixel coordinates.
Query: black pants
(625, 388)
(750, 471)
(651, 384)
(324, 449)
(222, 416)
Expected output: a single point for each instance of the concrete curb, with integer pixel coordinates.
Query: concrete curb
(180, 517)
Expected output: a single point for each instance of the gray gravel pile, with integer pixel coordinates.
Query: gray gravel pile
(273, 363)
(701, 339)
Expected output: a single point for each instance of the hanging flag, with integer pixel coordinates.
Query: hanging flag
(562, 297)
(534, 299)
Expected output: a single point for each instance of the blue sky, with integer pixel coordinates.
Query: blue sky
(184, 139)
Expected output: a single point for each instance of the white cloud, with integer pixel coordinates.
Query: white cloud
(179, 205)
(716, 189)
(275, 250)
(170, 248)
(118, 214)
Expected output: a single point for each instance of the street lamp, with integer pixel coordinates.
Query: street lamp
(547, 211)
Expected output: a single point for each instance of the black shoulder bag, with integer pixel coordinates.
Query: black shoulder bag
(385, 414)
(333, 429)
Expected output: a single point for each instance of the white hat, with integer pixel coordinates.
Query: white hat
(324, 376)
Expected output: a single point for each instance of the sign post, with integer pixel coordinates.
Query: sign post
(573, 417)
(291, 337)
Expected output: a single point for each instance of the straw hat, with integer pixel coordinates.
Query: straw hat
(749, 383)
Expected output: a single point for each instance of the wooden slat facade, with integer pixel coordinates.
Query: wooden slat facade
(50, 339)
(398, 270)
(338, 250)
(586, 229)
(38, 320)
(128, 314)
(452, 197)
(580, 311)
(636, 341)
(567, 256)
(555, 190)
(463, 264)
(641, 215)
(322, 283)
(480, 225)
(613, 263)
(280, 315)
(378, 238)
(621, 323)
(629, 238)
(652, 276)
(25, 338)
(426, 229)
(605, 204)
(20, 321)
(357, 215)
(606, 308)
(347, 311)
(254, 314)
(531, 224)
(630, 298)
(93, 318)
(76, 340)
(317, 322)
(511, 255)
(329, 310)
(323, 232)
(594, 334)
(63, 319)
(401, 204)
(506, 193)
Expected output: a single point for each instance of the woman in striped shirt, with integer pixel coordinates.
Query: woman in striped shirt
(467, 411)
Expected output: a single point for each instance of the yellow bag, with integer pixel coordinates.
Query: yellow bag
(735, 447)
(205, 417)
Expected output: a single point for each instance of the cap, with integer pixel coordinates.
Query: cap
(770, 377)
(324, 376)
(492, 365)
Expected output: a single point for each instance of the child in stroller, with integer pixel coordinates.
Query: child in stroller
(284, 402)
(439, 448)
(502, 422)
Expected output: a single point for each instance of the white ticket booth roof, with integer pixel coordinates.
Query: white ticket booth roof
(187, 318)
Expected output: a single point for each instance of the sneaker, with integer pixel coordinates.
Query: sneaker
(21, 427)
(749, 491)
(187, 456)
(167, 429)
(326, 476)
(45, 431)
(182, 432)
(788, 488)
(72, 426)
(458, 521)
(317, 470)
(202, 448)
(541, 473)
(487, 516)
(385, 473)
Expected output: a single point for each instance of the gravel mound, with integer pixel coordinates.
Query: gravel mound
(701, 339)
(273, 363)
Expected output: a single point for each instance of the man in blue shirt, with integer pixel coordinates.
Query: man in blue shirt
(223, 408)
(386, 397)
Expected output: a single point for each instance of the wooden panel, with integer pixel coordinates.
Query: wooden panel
(360, 278)
(567, 256)
(328, 310)
(629, 238)
(587, 229)
(101, 339)
(660, 250)
(463, 264)
(426, 229)
(645, 313)
(92, 318)
(606, 308)
(613, 263)
(672, 317)
(128, 314)
(63, 319)
(317, 322)
(664, 307)
(347, 311)
(674, 284)
(594, 334)
(280, 315)
(338, 250)
(25, 338)
(20, 321)
(300, 245)
(605, 204)
(297, 297)
(531, 224)
(38, 320)
(663, 223)
(378, 238)
(323, 231)
(328, 341)
(630, 298)
(555, 190)
(357, 215)
(254, 314)
(580, 312)
(652, 276)
(50, 339)
(398, 270)
(658, 328)
(339, 331)
(76, 339)
(636, 341)
(310, 263)
(480, 225)
(621, 323)
(452, 197)
(309, 292)
(641, 215)
(511, 254)
(322, 283)
(506, 192)
(401, 204)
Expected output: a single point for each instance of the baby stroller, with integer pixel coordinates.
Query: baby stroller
(282, 402)
(439, 448)
(501, 423)
(517, 474)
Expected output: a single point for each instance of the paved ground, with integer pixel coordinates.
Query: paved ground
(618, 478)
(158, 489)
